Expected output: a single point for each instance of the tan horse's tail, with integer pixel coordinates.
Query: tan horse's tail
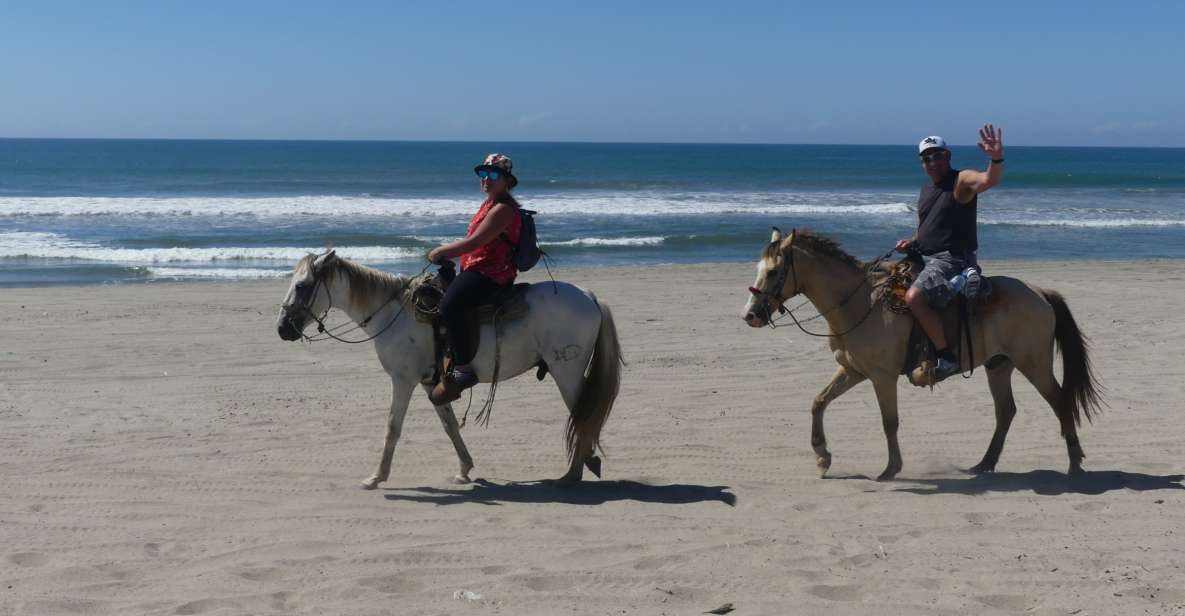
(1080, 393)
(599, 390)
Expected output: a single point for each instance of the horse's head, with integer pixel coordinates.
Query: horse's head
(308, 295)
(775, 282)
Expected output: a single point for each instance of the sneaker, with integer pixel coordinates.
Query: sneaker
(945, 368)
(463, 378)
(450, 387)
(971, 289)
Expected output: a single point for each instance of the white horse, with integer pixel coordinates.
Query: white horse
(565, 329)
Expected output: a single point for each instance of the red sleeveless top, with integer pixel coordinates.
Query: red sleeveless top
(495, 260)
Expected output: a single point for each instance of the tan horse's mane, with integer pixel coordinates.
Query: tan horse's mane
(820, 244)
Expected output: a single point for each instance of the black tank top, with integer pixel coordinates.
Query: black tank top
(943, 222)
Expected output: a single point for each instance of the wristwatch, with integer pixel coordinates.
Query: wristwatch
(997, 160)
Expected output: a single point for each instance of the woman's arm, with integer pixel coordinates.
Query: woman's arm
(496, 221)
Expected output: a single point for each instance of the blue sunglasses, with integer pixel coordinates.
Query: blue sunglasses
(487, 174)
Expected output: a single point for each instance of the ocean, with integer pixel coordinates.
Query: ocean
(130, 211)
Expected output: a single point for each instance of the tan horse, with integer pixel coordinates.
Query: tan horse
(1016, 328)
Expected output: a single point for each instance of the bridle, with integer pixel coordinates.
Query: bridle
(783, 270)
(305, 306)
(787, 267)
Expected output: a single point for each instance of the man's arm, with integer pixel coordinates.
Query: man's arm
(971, 183)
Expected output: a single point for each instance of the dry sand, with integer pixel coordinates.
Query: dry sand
(164, 452)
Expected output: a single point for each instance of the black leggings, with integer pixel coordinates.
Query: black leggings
(466, 292)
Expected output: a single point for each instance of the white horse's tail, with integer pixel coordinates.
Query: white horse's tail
(598, 392)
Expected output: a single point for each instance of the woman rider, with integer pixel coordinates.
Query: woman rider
(487, 265)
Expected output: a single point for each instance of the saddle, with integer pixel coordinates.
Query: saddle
(920, 355)
(506, 305)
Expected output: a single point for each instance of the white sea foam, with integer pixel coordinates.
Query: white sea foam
(227, 273)
(54, 246)
(1117, 223)
(602, 241)
(347, 207)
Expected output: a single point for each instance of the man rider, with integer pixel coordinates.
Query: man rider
(946, 235)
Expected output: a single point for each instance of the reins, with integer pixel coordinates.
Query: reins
(788, 266)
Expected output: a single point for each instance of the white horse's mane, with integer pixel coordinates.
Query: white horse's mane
(367, 284)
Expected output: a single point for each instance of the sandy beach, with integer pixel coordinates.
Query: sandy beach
(164, 452)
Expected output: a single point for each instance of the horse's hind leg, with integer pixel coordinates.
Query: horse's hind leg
(569, 377)
(1041, 376)
(1000, 384)
(449, 420)
(400, 396)
(843, 380)
(570, 386)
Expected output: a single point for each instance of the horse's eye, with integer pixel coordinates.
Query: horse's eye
(301, 286)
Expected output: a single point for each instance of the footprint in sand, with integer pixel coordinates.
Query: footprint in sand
(859, 560)
(546, 583)
(659, 562)
(202, 606)
(495, 569)
(806, 574)
(846, 592)
(978, 519)
(28, 559)
(261, 574)
(156, 550)
(1159, 595)
(392, 584)
(1014, 603)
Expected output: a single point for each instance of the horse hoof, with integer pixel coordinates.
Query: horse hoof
(1075, 470)
(371, 483)
(824, 464)
(889, 474)
(461, 479)
(594, 464)
(982, 468)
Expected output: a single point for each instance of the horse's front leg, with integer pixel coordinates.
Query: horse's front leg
(886, 397)
(843, 380)
(400, 395)
(449, 420)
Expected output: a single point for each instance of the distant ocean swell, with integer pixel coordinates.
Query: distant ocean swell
(342, 207)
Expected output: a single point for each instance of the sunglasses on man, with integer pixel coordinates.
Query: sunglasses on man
(933, 157)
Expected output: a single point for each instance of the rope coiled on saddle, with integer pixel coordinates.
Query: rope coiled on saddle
(893, 288)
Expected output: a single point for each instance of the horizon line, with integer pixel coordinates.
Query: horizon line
(556, 142)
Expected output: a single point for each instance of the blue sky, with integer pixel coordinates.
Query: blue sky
(1080, 73)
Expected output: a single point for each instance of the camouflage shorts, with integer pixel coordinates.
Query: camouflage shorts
(934, 279)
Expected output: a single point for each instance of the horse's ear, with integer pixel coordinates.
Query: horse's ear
(788, 242)
(777, 236)
(329, 257)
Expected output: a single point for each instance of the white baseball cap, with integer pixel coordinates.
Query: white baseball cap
(931, 142)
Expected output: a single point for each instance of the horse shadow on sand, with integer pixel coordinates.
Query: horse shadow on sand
(486, 492)
(1045, 483)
